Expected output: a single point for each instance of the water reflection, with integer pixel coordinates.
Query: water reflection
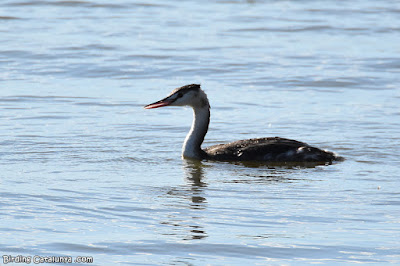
(194, 173)
(188, 223)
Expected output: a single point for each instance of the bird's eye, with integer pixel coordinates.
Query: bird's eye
(180, 95)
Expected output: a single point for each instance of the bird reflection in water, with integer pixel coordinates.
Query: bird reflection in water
(194, 177)
(188, 222)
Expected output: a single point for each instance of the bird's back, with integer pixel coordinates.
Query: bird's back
(273, 149)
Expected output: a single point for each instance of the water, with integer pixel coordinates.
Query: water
(86, 171)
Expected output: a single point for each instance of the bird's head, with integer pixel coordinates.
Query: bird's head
(189, 95)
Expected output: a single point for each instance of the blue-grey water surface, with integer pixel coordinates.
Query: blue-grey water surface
(86, 171)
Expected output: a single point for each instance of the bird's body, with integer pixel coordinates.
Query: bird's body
(273, 149)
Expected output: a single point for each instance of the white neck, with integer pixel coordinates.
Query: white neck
(192, 145)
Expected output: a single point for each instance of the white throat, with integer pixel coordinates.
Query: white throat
(192, 144)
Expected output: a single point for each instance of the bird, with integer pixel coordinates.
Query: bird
(268, 149)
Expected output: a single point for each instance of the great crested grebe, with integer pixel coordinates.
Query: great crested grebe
(273, 149)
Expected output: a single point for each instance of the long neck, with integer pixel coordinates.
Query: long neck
(192, 145)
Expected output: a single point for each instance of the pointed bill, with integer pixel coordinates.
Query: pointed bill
(161, 103)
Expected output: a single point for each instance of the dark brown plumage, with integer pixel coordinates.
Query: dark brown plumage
(274, 149)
